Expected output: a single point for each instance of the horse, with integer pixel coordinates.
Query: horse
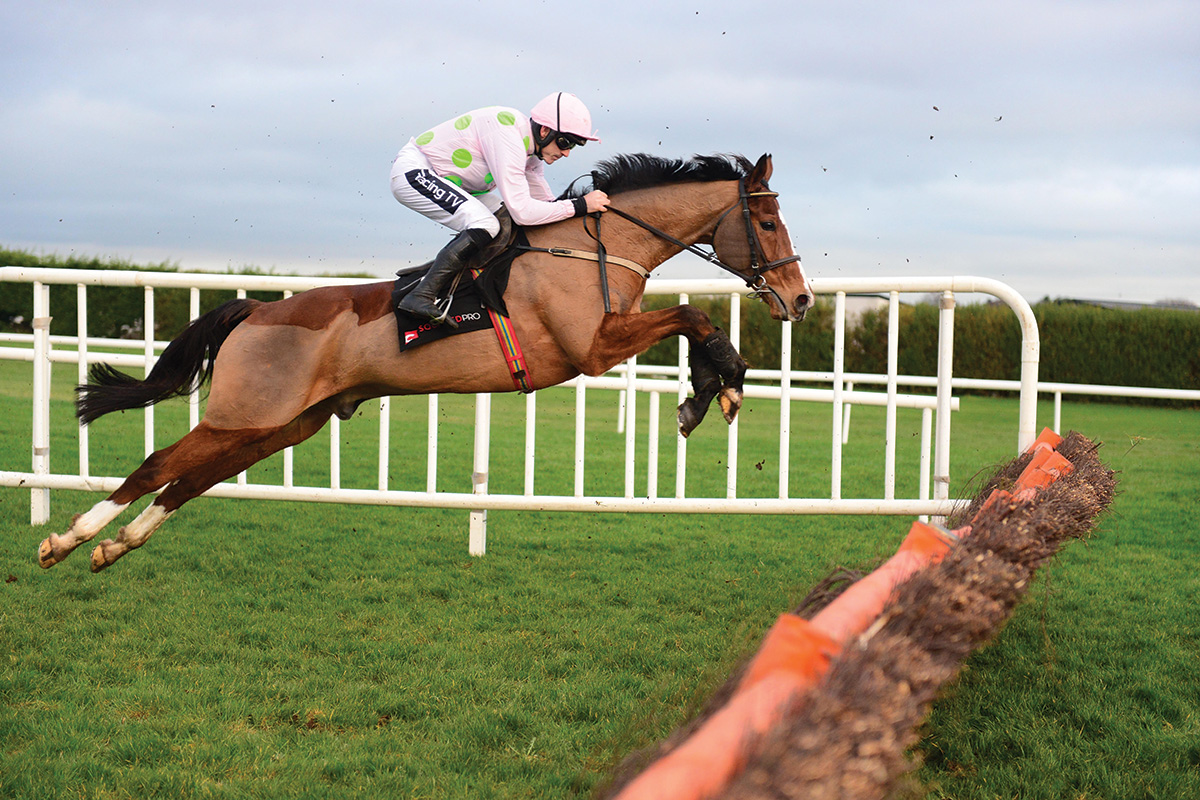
(277, 371)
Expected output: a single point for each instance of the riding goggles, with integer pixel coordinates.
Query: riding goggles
(565, 141)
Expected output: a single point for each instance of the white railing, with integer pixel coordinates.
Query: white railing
(841, 395)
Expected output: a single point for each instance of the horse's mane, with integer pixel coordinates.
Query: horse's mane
(624, 173)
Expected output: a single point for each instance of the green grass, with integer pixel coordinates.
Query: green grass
(256, 649)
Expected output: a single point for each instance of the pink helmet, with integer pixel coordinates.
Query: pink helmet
(565, 113)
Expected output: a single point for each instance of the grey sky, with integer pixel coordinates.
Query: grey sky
(1052, 145)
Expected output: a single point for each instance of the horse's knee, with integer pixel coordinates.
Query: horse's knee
(725, 357)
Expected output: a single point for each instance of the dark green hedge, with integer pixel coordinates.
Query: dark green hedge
(1079, 343)
(113, 312)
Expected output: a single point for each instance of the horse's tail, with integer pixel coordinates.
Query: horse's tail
(185, 365)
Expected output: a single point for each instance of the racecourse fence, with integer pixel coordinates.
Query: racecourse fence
(629, 382)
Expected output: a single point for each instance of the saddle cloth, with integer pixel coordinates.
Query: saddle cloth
(473, 297)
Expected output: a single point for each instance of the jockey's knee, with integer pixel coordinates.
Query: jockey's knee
(483, 222)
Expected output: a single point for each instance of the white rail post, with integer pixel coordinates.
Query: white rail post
(39, 499)
(335, 452)
(680, 439)
(479, 478)
(289, 453)
(652, 448)
(148, 348)
(785, 409)
(385, 441)
(194, 398)
(945, 369)
(923, 478)
(81, 351)
(839, 361)
(530, 441)
(580, 432)
(731, 450)
(630, 424)
(893, 351)
(431, 445)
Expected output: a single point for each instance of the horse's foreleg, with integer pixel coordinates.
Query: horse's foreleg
(732, 369)
(717, 370)
(706, 382)
(621, 336)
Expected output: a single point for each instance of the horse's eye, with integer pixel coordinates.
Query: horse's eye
(767, 225)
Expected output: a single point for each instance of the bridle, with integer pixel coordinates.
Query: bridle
(759, 264)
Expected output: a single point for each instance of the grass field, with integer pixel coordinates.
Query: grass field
(286, 650)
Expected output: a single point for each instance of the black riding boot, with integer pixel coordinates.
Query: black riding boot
(422, 300)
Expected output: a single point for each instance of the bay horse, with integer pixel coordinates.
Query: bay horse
(278, 370)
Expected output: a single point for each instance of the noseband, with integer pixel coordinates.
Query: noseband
(758, 267)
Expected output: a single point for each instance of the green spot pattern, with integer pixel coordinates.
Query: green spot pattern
(461, 158)
(506, 118)
(425, 138)
(463, 122)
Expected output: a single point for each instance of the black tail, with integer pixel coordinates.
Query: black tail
(184, 365)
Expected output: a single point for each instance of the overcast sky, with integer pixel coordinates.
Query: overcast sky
(1051, 145)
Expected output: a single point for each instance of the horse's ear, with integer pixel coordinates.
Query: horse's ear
(762, 170)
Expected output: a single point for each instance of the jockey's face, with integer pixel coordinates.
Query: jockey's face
(551, 152)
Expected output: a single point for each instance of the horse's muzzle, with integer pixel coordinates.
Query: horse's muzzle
(800, 307)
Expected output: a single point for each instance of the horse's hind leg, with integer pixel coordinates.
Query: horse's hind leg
(240, 450)
(153, 474)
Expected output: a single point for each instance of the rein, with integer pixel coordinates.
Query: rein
(757, 280)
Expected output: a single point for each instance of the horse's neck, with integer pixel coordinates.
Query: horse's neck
(687, 212)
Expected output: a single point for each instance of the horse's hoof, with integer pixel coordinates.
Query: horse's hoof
(100, 559)
(691, 414)
(47, 557)
(731, 403)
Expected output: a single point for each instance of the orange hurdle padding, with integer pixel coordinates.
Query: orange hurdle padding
(1046, 467)
(997, 496)
(856, 608)
(716, 753)
(1047, 439)
(792, 645)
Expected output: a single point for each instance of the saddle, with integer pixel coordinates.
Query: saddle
(478, 291)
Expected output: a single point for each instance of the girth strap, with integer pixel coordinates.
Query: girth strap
(514, 357)
(568, 252)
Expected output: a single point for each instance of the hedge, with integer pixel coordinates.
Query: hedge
(1079, 343)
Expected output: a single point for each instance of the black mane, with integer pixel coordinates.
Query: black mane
(624, 173)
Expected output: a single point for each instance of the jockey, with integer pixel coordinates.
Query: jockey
(458, 173)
